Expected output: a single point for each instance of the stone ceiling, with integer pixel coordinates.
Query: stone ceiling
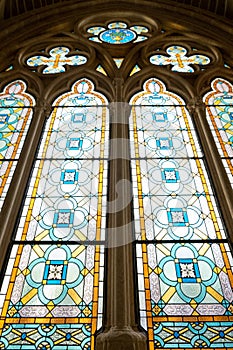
(16, 7)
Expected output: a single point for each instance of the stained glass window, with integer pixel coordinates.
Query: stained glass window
(118, 33)
(15, 117)
(179, 60)
(184, 263)
(54, 297)
(219, 104)
(56, 61)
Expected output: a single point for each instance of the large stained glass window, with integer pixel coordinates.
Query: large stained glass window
(53, 289)
(219, 104)
(184, 263)
(15, 117)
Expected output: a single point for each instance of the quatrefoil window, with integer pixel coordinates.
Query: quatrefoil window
(56, 61)
(118, 33)
(179, 60)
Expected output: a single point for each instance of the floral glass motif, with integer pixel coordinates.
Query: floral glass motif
(184, 263)
(57, 60)
(178, 59)
(219, 108)
(56, 264)
(15, 117)
(118, 33)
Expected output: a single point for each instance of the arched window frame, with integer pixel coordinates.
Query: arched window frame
(116, 94)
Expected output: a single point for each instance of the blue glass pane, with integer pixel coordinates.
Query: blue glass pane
(117, 36)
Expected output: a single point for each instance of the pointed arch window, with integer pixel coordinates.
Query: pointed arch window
(183, 258)
(57, 256)
(52, 292)
(219, 104)
(16, 111)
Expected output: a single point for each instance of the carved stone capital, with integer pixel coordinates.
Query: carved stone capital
(196, 104)
(119, 112)
(44, 107)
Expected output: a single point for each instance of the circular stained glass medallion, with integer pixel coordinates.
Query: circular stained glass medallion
(117, 36)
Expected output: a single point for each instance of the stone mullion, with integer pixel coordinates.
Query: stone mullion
(218, 174)
(15, 195)
(120, 329)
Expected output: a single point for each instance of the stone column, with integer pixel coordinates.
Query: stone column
(18, 185)
(220, 179)
(120, 329)
(2, 8)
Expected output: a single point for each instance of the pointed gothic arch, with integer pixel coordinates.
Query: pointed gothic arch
(77, 58)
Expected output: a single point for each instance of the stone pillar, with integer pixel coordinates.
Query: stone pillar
(18, 185)
(2, 8)
(221, 182)
(120, 329)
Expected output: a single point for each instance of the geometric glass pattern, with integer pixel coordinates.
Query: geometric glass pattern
(178, 59)
(177, 217)
(63, 218)
(15, 117)
(184, 263)
(46, 337)
(57, 60)
(118, 33)
(53, 295)
(55, 272)
(219, 112)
